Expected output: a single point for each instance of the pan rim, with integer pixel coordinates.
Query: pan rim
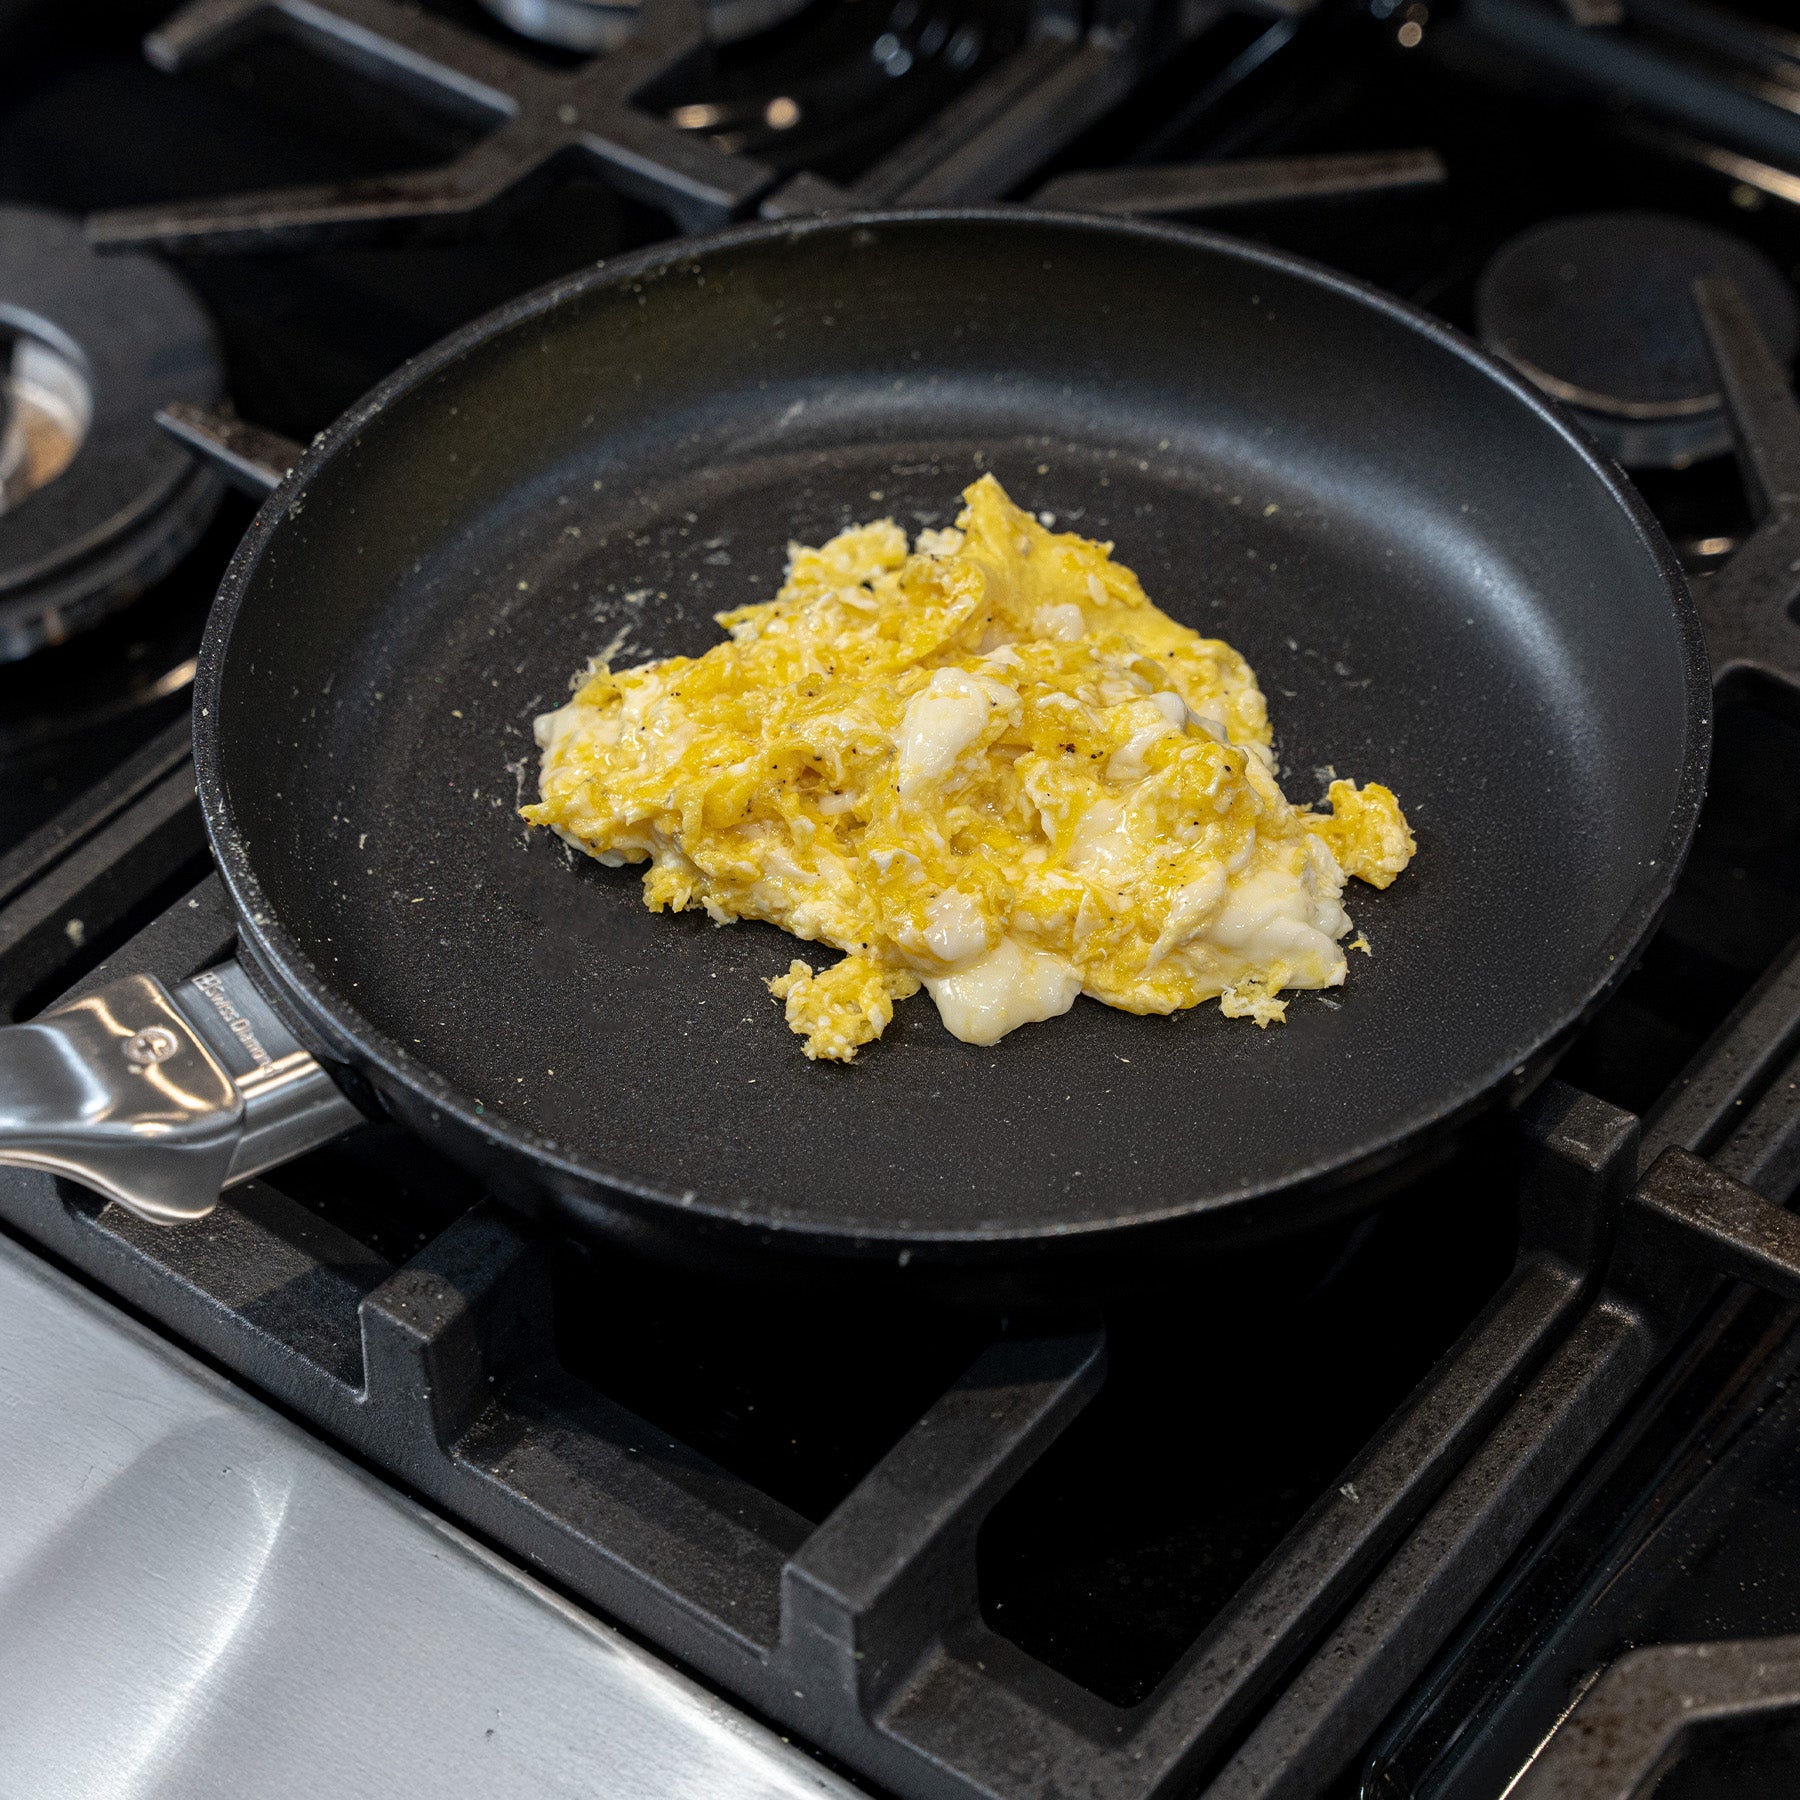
(310, 994)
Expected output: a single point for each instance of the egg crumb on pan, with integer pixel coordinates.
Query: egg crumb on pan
(989, 766)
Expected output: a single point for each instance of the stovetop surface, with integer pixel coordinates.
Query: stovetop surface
(1234, 1405)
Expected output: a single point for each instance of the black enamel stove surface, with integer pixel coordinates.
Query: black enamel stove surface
(1414, 1508)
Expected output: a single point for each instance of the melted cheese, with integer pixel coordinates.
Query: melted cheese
(1000, 989)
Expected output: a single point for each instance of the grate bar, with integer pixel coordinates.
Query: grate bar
(1172, 189)
(94, 883)
(1385, 1643)
(892, 1570)
(1764, 1151)
(1633, 1719)
(408, 46)
(1733, 103)
(986, 105)
(31, 860)
(256, 462)
(990, 139)
(991, 162)
(544, 122)
(1734, 1066)
(1746, 607)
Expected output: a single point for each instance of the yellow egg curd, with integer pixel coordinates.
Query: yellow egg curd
(989, 766)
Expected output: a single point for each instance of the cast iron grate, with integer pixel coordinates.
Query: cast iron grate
(605, 115)
(862, 1628)
(1017, 116)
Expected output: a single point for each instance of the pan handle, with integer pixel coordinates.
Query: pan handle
(160, 1099)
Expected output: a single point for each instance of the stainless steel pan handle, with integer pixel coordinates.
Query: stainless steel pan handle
(161, 1099)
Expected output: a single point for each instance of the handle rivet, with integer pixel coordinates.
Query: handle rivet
(154, 1044)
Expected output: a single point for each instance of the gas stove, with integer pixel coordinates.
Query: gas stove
(1491, 1494)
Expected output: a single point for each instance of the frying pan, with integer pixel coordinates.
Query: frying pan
(1440, 585)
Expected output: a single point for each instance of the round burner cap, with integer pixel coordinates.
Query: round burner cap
(1598, 312)
(597, 26)
(95, 502)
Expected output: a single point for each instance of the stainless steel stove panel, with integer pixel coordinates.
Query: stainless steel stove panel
(199, 1599)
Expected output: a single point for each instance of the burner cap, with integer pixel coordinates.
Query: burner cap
(596, 26)
(95, 502)
(1598, 311)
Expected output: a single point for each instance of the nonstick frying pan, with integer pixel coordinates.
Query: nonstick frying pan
(1439, 583)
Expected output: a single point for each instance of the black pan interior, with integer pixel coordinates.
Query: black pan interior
(1438, 586)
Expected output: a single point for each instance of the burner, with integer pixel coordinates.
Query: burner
(45, 410)
(1599, 312)
(95, 503)
(593, 26)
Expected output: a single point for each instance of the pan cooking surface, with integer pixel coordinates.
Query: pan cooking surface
(1436, 590)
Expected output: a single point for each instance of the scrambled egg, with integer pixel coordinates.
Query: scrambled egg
(990, 767)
